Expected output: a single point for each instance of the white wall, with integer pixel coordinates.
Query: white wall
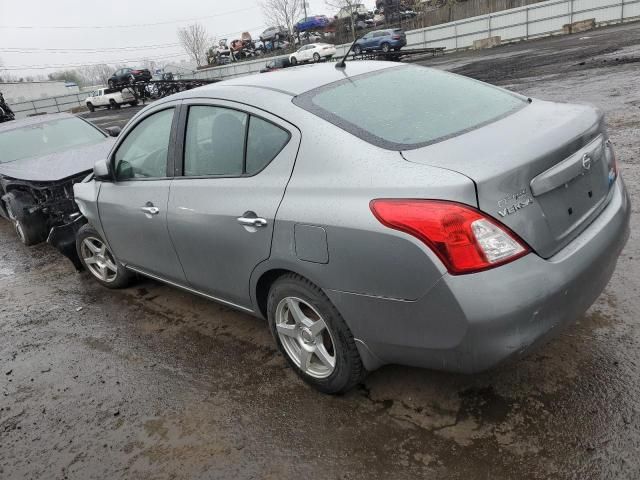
(16, 92)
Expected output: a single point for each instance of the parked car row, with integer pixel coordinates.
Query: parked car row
(311, 29)
(345, 209)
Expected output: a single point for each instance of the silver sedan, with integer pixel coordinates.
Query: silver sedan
(372, 214)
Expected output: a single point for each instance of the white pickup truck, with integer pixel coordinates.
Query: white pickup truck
(106, 97)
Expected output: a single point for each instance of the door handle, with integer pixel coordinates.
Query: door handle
(150, 210)
(252, 221)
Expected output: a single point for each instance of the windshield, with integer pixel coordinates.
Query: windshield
(408, 107)
(46, 138)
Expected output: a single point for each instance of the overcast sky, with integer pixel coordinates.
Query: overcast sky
(116, 17)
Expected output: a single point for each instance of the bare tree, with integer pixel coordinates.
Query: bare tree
(98, 74)
(282, 13)
(195, 39)
(347, 10)
(451, 4)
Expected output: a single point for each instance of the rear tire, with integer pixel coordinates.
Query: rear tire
(133, 104)
(111, 84)
(357, 50)
(113, 104)
(91, 107)
(99, 261)
(316, 57)
(312, 335)
(386, 48)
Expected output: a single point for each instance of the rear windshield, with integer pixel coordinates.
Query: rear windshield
(46, 137)
(408, 107)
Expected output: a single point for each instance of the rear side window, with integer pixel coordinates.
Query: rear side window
(264, 142)
(408, 107)
(225, 142)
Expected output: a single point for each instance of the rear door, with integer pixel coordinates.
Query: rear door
(133, 207)
(222, 206)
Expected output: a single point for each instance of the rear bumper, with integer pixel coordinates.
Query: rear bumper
(469, 323)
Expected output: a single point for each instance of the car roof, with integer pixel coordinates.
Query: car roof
(293, 81)
(35, 120)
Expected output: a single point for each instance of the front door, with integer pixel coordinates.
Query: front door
(133, 207)
(236, 165)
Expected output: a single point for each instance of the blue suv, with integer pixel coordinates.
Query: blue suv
(385, 40)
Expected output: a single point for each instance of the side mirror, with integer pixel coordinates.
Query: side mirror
(113, 131)
(101, 170)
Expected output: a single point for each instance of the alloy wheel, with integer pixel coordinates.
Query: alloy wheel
(19, 230)
(98, 259)
(305, 337)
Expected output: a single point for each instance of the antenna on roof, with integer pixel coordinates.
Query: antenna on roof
(342, 62)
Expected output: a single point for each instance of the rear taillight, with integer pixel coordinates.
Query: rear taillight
(464, 238)
(136, 71)
(396, 37)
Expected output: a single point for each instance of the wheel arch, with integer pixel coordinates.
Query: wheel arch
(266, 274)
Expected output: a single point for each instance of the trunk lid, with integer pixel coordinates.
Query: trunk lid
(544, 171)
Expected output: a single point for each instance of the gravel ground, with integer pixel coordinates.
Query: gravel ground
(151, 382)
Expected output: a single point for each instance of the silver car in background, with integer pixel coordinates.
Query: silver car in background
(374, 214)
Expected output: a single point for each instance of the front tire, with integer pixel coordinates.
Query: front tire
(357, 50)
(293, 61)
(316, 57)
(31, 231)
(91, 107)
(99, 261)
(313, 336)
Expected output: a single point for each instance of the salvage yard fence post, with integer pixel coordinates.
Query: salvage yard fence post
(570, 11)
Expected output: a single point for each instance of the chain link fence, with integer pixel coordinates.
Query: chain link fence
(62, 103)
